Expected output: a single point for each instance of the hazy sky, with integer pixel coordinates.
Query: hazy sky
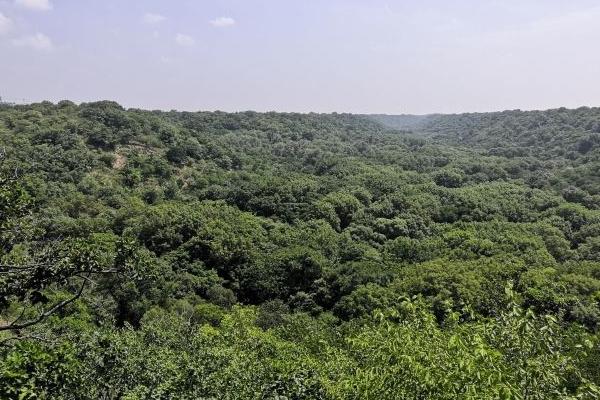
(367, 56)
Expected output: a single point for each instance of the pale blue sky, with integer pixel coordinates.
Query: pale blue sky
(370, 56)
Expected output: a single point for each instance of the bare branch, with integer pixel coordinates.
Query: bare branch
(45, 314)
(4, 342)
(8, 268)
(27, 266)
(20, 316)
(87, 279)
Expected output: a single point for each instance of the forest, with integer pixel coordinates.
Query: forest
(212, 255)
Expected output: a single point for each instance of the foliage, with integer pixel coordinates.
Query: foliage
(148, 254)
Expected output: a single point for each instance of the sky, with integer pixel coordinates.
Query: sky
(359, 56)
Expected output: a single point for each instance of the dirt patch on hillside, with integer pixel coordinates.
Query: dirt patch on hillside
(120, 161)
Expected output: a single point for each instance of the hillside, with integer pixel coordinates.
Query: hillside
(302, 256)
(567, 141)
(403, 122)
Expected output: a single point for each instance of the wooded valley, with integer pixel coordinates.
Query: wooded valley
(213, 255)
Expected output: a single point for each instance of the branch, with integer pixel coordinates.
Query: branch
(13, 269)
(8, 268)
(20, 315)
(3, 342)
(14, 326)
(28, 266)
(87, 279)
(99, 272)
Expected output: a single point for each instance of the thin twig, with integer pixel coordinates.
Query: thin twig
(3, 343)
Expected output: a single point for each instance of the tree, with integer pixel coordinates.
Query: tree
(70, 264)
(339, 209)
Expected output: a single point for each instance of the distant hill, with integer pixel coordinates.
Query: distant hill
(403, 121)
(560, 137)
(548, 133)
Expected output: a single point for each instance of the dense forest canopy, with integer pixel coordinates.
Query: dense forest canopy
(150, 254)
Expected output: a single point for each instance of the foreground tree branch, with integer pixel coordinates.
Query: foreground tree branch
(15, 325)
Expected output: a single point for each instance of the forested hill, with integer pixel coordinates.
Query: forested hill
(567, 139)
(559, 132)
(405, 122)
(149, 254)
